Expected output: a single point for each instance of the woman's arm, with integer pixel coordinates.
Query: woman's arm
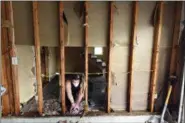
(81, 93)
(69, 92)
(80, 96)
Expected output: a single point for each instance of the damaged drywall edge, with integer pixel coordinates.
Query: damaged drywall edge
(34, 73)
(26, 73)
(52, 60)
(52, 76)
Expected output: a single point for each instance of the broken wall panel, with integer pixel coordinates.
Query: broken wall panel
(143, 54)
(75, 23)
(165, 50)
(48, 16)
(140, 90)
(26, 68)
(49, 29)
(23, 22)
(49, 23)
(120, 54)
(98, 23)
(27, 77)
(122, 23)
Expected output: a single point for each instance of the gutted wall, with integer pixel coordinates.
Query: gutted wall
(165, 50)
(98, 34)
(49, 30)
(26, 72)
(49, 26)
(122, 27)
(142, 54)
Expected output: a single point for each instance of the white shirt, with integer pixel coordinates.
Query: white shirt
(2, 90)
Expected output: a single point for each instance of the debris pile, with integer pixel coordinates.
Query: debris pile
(52, 107)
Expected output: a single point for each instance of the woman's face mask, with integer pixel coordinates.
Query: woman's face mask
(76, 83)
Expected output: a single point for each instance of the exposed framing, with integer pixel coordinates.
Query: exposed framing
(7, 107)
(62, 58)
(86, 54)
(176, 32)
(110, 45)
(45, 64)
(13, 55)
(155, 55)
(37, 56)
(131, 58)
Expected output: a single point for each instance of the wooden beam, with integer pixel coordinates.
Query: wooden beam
(4, 63)
(13, 52)
(62, 58)
(5, 98)
(37, 56)
(131, 58)
(110, 43)
(86, 55)
(176, 32)
(155, 55)
(45, 65)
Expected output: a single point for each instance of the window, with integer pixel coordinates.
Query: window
(98, 51)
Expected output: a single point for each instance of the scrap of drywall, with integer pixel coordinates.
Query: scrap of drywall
(27, 77)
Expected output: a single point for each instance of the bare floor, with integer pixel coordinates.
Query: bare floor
(92, 113)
